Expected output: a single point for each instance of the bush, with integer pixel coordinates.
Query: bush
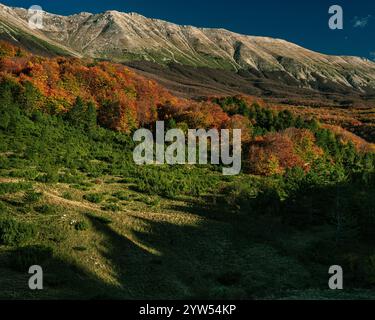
(150, 201)
(111, 207)
(82, 186)
(240, 195)
(121, 196)
(54, 234)
(81, 226)
(3, 207)
(94, 197)
(45, 209)
(23, 258)
(32, 197)
(70, 178)
(67, 196)
(49, 177)
(29, 174)
(13, 187)
(14, 233)
(171, 182)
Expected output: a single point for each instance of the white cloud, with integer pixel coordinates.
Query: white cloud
(359, 22)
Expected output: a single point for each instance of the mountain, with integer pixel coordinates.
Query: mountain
(266, 65)
(16, 30)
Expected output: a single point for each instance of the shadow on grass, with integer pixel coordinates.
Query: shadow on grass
(62, 279)
(164, 260)
(154, 260)
(218, 254)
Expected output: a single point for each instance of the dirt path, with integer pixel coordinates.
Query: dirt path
(11, 180)
(72, 203)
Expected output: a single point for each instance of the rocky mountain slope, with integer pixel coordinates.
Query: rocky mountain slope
(16, 30)
(125, 37)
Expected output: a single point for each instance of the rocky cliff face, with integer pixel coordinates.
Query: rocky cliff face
(129, 36)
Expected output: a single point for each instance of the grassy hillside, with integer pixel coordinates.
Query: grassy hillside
(30, 42)
(73, 201)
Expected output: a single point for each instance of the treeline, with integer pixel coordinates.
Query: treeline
(85, 95)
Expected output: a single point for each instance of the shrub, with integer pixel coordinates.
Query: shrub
(151, 201)
(29, 174)
(4, 162)
(32, 197)
(82, 186)
(3, 207)
(94, 197)
(111, 207)
(51, 176)
(70, 178)
(240, 195)
(173, 182)
(67, 196)
(23, 210)
(81, 226)
(45, 209)
(15, 233)
(80, 248)
(121, 196)
(13, 187)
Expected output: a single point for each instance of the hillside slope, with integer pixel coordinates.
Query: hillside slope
(73, 201)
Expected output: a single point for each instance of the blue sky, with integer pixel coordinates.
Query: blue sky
(301, 22)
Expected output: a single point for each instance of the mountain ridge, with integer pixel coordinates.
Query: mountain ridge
(127, 37)
(116, 12)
